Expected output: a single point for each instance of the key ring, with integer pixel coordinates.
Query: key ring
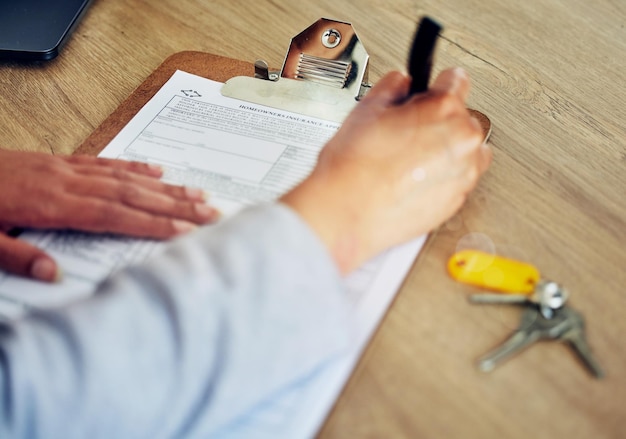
(546, 315)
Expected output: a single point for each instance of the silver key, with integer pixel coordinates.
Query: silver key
(575, 337)
(534, 326)
(500, 298)
(548, 296)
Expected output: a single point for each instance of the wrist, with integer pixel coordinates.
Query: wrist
(329, 215)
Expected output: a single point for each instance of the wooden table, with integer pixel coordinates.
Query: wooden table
(551, 75)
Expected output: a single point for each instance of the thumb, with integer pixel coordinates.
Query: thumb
(19, 257)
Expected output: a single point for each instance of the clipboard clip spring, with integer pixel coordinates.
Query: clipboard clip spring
(329, 52)
(324, 74)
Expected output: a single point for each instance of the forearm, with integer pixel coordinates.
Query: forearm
(188, 342)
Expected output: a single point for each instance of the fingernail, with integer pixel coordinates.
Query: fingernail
(194, 193)
(207, 212)
(459, 72)
(45, 269)
(181, 226)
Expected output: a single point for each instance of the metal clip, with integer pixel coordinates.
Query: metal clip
(328, 52)
(262, 71)
(324, 74)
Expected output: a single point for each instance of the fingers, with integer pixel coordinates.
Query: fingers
(485, 157)
(95, 194)
(470, 154)
(19, 257)
(137, 212)
(470, 144)
(102, 216)
(451, 89)
(150, 197)
(111, 164)
(136, 174)
(143, 205)
(454, 156)
(104, 180)
(391, 89)
(445, 99)
(454, 81)
(394, 87)
(132, 179)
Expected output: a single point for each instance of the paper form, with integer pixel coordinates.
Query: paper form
(240, 153)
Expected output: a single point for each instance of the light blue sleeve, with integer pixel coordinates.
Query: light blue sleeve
(184, 345)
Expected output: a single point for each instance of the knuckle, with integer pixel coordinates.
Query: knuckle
(137, 167)
(93, 216)
(472, 175)
(48, 213)
(50, 168)
(128, 193)
(74, 159)
(176, 192)
(184, 210)
(470, 130)
(448, 102)
(101, 217)
(120, 174)
(474, 127)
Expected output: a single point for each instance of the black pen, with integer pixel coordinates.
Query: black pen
(421, 57)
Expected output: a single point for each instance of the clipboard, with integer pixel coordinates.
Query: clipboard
(325, 74)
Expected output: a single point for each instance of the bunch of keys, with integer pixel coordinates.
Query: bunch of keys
(546, 315)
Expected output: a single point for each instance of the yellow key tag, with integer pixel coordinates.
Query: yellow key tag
(493, 272)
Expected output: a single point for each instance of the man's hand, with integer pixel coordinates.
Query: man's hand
(88, 194)
(396, 169)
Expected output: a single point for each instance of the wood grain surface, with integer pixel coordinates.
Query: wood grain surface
(551, 75)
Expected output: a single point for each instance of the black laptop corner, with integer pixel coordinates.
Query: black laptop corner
(35, 30)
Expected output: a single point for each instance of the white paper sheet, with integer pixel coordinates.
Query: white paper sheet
(240, 153)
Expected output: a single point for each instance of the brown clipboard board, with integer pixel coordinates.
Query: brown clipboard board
(215, 67)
